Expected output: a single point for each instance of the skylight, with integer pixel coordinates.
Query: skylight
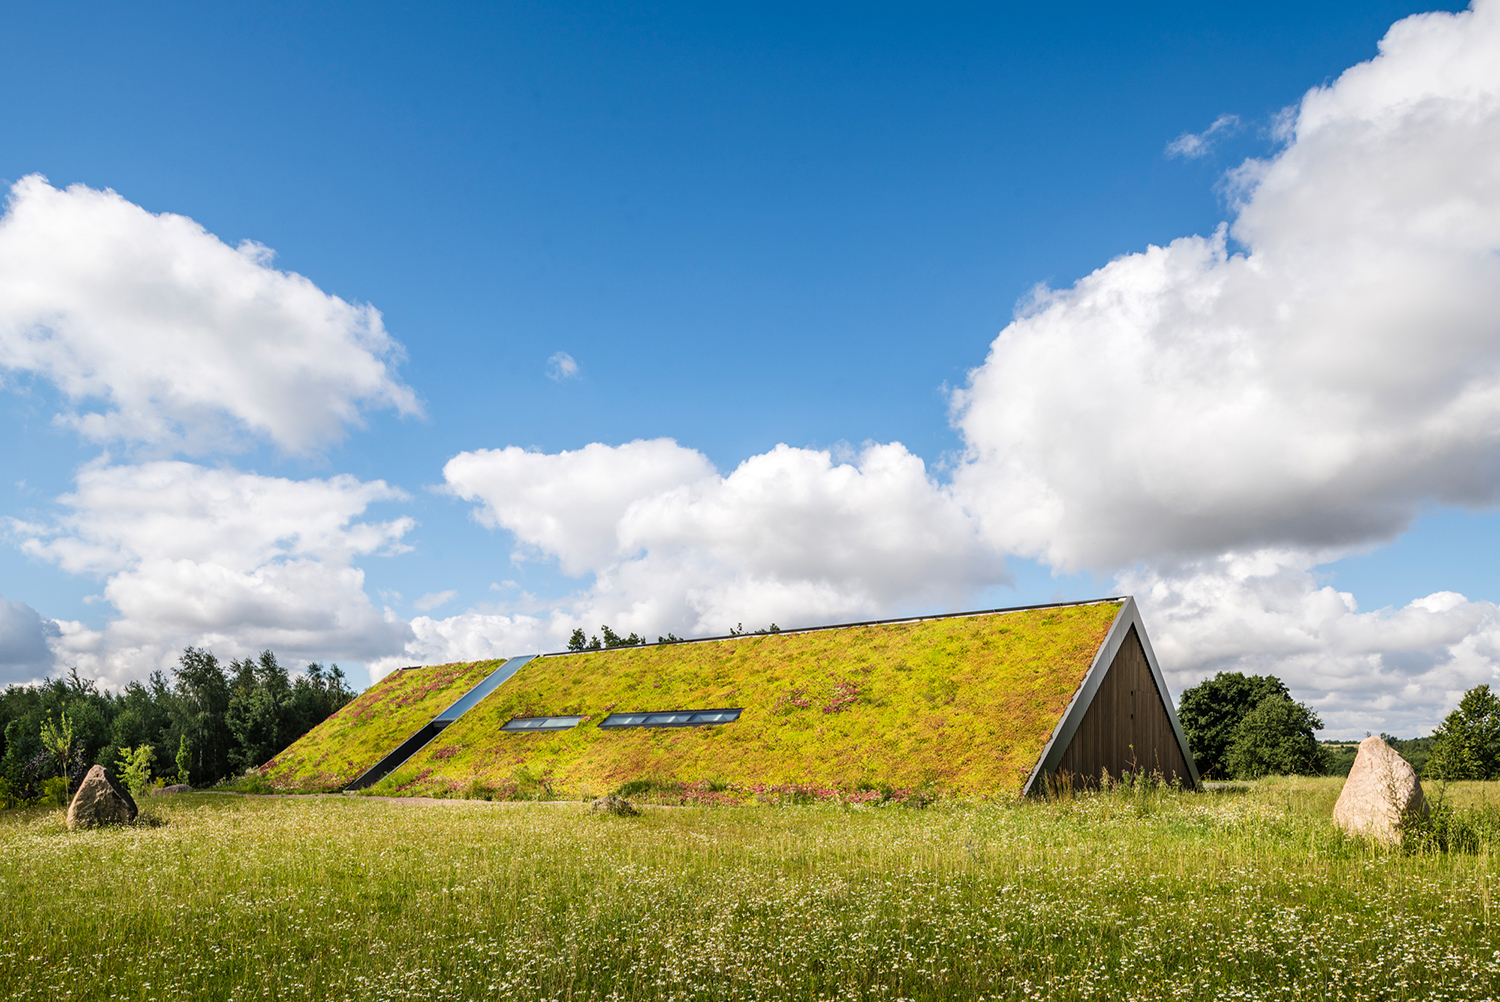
(672, 718)
(540, 723)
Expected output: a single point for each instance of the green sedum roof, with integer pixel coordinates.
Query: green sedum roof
(359, 735)
(965, 704)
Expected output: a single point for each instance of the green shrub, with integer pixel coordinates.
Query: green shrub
(1447, 829)
(480, 790)
(149, 815)
(58, 740)
(12, 795)
(530, 785)
(251, 782)
(55, 792)
(663, 790)
(660, 789)
(184, 759)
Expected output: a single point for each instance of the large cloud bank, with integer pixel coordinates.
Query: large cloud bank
(158, 332)
(1314, 382)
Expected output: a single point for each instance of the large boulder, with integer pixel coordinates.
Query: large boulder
(1381, 789)
(100, 801)
(618, 806)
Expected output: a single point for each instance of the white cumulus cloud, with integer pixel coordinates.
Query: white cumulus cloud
(1311, 384)
(568, 505)
(218, 558)
(157, 332)
(474, 636)
(791, 536)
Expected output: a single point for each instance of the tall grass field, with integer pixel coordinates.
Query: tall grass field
(1249, 894)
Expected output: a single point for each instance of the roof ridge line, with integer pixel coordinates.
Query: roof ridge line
(844, 626)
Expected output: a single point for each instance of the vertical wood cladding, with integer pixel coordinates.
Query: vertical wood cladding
(1126, 728)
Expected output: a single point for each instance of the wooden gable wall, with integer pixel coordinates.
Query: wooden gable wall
(1126, 727)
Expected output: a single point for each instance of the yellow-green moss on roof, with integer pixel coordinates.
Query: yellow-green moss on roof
(357, 736)
(965, 704)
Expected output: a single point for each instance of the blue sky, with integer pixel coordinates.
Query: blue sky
(748, 226)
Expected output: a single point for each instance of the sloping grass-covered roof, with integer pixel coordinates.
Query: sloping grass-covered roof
(963, 704)
(357, 736)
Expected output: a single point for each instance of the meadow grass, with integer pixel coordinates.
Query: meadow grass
(1126, 895)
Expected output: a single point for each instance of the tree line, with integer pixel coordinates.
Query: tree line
(1247, 726)
(206, 722)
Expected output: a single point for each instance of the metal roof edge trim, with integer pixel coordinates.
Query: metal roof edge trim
(1083, 698)
(1161, 690)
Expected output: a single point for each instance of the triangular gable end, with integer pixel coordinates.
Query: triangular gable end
(1121, 718)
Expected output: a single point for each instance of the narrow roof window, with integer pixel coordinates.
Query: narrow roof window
(672, 718)
(540, 723)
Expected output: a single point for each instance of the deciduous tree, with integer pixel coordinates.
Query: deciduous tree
(1276, 738)
(1211, 711)
(1466, 745)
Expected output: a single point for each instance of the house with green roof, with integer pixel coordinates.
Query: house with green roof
(975, 705)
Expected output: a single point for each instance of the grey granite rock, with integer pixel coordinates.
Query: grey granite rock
(163, 791)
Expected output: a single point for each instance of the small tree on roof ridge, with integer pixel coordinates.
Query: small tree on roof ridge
(613, 639)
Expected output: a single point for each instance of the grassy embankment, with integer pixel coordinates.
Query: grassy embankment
(357, 736)
(963, 705)
(1249, 895)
